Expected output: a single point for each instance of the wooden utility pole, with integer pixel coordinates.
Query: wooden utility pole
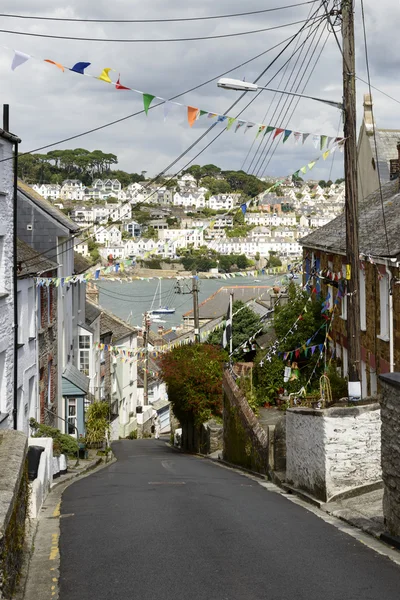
(351, 207)
(195, 292)
(146, 359)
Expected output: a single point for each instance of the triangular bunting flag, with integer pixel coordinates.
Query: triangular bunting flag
(260, 130)
(19, 59)
(167, 108)
(329, 141)
(249, 126)
(52, 62)
(326, 154)
(278, 131)
(268, 130)
(104, 76)
(147, 100)
(118, 85)
(231, 121)
(212, 115)
(202, 112)
(80, 67)
(316, 140)
(287, 135)
(305, 136)
(303, 170)
(297, 137)
(192, 113)
(311, 164)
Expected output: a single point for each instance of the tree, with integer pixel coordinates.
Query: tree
(126, 235)
(151, 233)
(322, 183)
(195, 171)
(339, 181)
(244, 325)
(193, 375)
(273, 261)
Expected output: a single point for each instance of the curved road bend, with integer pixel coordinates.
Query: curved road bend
(159, 525)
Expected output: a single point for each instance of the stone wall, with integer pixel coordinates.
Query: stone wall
(333, 451)
(390, 404)
(13, 508)
(245, 442)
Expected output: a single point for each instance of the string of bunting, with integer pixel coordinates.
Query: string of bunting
(193, 113)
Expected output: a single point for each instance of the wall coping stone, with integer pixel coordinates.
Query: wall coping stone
(392, 379)
(337, 412)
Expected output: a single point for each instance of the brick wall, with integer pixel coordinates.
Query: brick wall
(245, 442)
(375, 351)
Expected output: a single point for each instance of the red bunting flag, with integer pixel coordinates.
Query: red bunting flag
(118, 85)
(278, 132)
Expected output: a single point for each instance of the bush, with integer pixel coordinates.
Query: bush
(62, 443)
(338, 383)
(97, 422)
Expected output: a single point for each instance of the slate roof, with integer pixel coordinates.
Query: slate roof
(217, 305)
(81, 263)
(111, 323)
(372, 236)
(75, 378)
(92, 311)
(9, 136)
(386, 143)
(32, 262)
(46, 205)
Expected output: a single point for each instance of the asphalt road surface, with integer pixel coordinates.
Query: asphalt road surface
(160, 525)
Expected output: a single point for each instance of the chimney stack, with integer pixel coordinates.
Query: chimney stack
(368, 114)
(92, 292)
(6, 117)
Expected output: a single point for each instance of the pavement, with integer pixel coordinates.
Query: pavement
(364, 511)
(160, 524)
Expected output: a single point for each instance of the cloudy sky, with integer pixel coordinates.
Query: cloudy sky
(48, 105)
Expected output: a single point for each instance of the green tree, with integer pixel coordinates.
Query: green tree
(126, 235)
(151, 233)
(244, 325)
(193, 375)
(195, 171)
(322, 183)
(273, 260)
(339, 181)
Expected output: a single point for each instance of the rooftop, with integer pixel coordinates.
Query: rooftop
(32, 263)
(119, 328)
(217, 305)
(372, 235)
(47, 206)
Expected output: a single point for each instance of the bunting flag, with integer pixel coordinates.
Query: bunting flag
(104, 76)
(19, 59)
(326, 154)
(212, 115)
(286, 135)
(323, 141)
(329, 141)
(52, 62)
(243, 208)
(80, 67)
(278, 131)
(249, 126)
(305, 136)
(221, 118)
(297, 137)
(311, 164)
(118, 85)
(202, 112)
(303, 170)
(192, 115)
(231, 121)
(268, 130)
(260, 130)
(316, 140)
(147, 100)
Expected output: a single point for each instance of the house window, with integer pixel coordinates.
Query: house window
(71, 412)
(330, 297)
(84, 354)
(373, 382)
(363, 303)
(384, 307)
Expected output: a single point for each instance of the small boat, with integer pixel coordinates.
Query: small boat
(161, 310)
(257, 280)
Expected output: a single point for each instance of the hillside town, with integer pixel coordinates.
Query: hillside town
(199, 311)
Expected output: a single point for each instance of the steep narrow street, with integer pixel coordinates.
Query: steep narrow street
(158, 524)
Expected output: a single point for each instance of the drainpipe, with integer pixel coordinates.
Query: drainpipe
(391, 328)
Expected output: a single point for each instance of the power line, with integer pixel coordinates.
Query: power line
(152, 41)
(373, 121)
(172, 20)
(193, 144)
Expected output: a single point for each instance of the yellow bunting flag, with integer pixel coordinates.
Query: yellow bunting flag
(348, 272)
(311, 164)
(104, 75)
(326, 154)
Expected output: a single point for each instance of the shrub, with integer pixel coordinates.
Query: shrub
(97, 422)
(62, 443)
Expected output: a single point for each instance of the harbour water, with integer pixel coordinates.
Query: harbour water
(131, 300)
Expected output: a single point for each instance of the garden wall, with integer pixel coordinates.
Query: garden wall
(246, 444)
(13, 507)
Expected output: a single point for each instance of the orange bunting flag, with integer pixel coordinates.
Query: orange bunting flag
(192, 115)
(104, 75)
(52, 62)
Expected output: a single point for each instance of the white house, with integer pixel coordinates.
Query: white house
(222, 201)
(108, 237)
(7, 342)
(48, 191)
(72, 189)
(82, 248)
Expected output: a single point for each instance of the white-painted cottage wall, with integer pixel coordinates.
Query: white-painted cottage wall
(334, 450)
(6, 284)
(27, 355)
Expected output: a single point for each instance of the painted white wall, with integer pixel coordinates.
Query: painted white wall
(336, 449)
(6, 284)
(27, 355)
(40, 487)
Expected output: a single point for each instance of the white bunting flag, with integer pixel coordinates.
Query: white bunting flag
(19, 59)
